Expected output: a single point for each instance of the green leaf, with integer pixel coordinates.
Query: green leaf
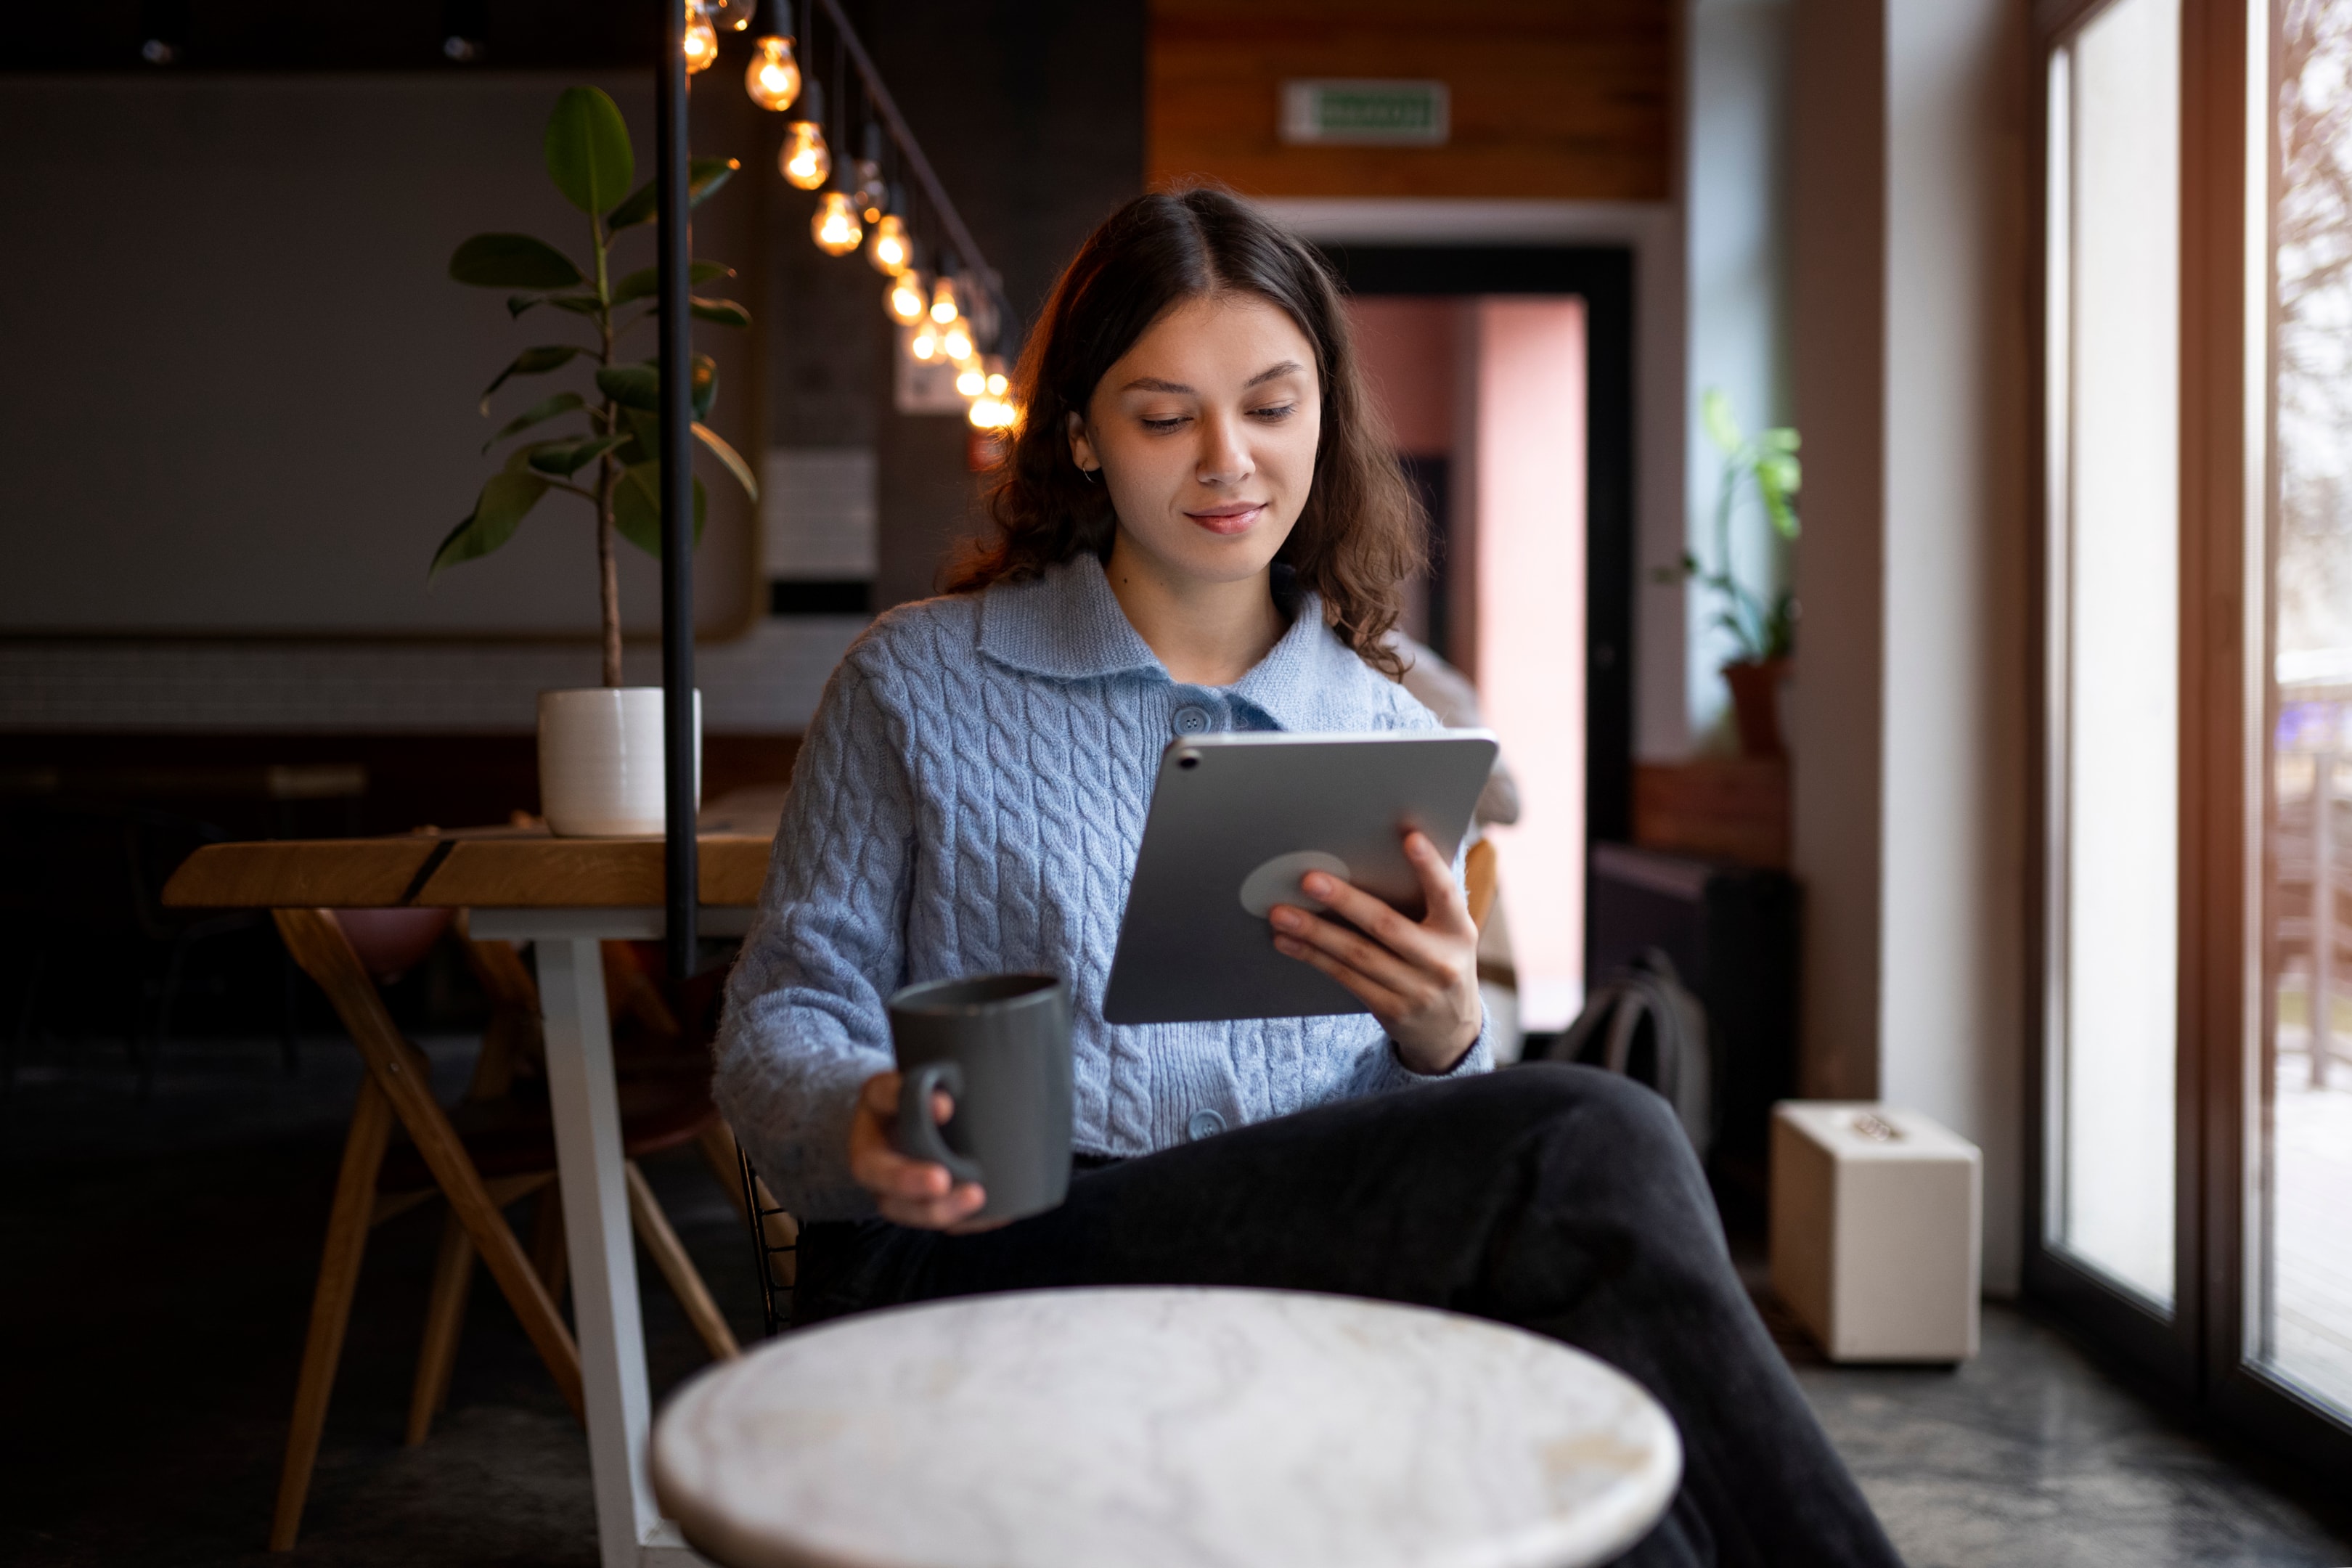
(631, 385)
(568, 457)
(645, 281)
(512, 261)
(731, 457)
(639, 386)
(703, 178)
(645, 436)
(1715, 414)
(706, 384)
(588, 154)
(498, 510)
(534, 361)
(636, 508)
(719, 313)
(537, 414)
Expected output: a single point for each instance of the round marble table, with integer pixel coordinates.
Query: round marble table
(1143, 1427)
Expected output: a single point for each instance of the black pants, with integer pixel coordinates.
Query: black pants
(1561, 1199)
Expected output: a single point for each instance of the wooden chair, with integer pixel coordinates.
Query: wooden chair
(497, 1148)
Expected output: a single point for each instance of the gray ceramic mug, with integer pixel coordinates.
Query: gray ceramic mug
(1000, 1046)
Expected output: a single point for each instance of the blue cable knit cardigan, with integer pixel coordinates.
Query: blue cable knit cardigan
(971, 797)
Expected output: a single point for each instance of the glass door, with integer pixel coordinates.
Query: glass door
(2111, 811)
(2193, 1195)
(2298, 1296)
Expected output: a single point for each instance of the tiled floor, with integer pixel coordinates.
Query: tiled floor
(2031, 1455)
(155, 1264)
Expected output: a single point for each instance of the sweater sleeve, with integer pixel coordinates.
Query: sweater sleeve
(805, 1024)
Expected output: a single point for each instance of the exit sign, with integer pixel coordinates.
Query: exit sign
(1365, 113)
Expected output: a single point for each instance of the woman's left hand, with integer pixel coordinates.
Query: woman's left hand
(1420, 980)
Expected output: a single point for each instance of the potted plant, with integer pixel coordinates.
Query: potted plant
(600, 750)
(1764, 633)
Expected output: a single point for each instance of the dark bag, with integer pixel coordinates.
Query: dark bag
(1643, 1024)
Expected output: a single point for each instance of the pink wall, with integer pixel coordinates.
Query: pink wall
(1407, 348)
(1527, 489)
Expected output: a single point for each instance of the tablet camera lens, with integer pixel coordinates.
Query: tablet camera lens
(1188, 759)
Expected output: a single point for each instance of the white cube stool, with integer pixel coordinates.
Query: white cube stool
(1877, 1223)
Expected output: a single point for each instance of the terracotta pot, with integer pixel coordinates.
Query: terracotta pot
(1756, 704)
(600, 761)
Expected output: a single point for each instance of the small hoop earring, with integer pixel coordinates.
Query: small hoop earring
(1090, 473)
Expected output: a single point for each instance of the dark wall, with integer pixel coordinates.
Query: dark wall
(1031, 111)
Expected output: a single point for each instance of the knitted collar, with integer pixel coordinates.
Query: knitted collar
(1067, 625)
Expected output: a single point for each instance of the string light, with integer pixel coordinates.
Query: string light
(731, 16)
(997, 381)
(990, 412)
(701, 39)
(925, 344)
(956, 343)
(835, 225)
(806, 161)
(943, 300)
(972, 381)
(904, 298)
(889, 251)
(868, 194)
(773, 77)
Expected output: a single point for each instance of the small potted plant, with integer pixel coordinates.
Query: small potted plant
(1764, 632)
(600, 750)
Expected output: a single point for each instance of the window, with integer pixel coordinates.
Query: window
(2113, 639)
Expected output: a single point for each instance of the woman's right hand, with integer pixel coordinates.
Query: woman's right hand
(916, 1193)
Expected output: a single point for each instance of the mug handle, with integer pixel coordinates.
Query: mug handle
(918, 1135)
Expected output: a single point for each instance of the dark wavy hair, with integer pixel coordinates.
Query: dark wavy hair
(1360, 534)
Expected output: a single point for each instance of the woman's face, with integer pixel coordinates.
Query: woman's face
(1205, 432)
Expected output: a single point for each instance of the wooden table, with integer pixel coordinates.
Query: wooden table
(566, 895)
(1165, 1428)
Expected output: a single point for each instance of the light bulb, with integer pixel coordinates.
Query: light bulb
(925, 344)
(990, 412)
(997, 383)
(834, 227)
(972, 381)
(867, 192)
(805, 159)
(904, 298)
(890, 250)
(731, 16)
(773, 77)
(702, 41)
(943, 300)
(956, 343)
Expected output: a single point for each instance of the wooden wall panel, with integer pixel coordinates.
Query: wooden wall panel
(1558, 99)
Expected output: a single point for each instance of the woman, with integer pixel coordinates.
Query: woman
(1198, 526)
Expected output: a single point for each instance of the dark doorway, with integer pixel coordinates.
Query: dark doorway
(1602, 276)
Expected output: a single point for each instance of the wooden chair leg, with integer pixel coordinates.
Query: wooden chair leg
(547, 1259)
(318, 945)
(684, 1280)
(445, 1315)
(330, 1307)
(716, 1143)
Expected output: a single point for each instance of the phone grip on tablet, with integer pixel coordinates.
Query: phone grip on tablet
(918, 1135)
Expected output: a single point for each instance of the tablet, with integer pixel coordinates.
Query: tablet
(1235, 821)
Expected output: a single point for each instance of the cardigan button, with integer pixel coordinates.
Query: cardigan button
(1192, 720)
(1204, 1124)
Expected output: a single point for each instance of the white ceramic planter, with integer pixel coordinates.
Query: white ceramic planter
(600, 761)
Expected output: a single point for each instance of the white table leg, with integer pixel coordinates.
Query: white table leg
(610, 1330)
